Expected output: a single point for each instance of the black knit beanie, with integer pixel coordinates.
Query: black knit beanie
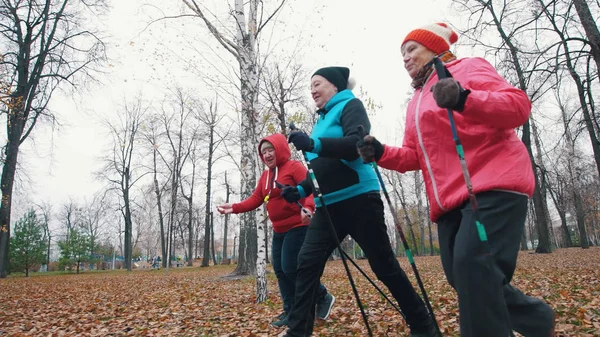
(338, 76)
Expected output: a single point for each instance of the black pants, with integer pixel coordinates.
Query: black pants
(285, 249)
(362, 217)
(488, 305)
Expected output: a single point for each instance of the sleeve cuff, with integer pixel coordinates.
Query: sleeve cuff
(301, 191)
(316, 146)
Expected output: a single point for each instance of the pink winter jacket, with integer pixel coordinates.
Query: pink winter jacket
(496, 157)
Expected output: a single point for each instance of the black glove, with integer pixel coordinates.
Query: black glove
(448, 94)
(369, 149)
(290, 194)
(301, 141)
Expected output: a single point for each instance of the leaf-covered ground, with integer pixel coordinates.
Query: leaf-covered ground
(200, 302)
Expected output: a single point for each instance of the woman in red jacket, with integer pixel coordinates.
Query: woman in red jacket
(289, 222)
(488, 109)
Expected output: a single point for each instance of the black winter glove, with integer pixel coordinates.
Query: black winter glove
(290, 194)
(301, 141)
(448, 94)
(369, 149)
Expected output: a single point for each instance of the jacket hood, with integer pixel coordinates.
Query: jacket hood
(280, 144)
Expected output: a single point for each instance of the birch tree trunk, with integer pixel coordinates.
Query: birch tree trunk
(261, 259)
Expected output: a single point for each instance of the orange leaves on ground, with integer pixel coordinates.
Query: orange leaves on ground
(200, 302)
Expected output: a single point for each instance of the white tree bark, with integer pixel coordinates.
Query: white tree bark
(261, 259)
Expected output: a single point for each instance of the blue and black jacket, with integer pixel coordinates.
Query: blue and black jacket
(334, 159)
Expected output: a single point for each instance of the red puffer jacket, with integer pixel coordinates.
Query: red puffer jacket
(496, 157)
(282, 214)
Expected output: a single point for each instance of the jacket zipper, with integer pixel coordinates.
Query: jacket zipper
(427, 162)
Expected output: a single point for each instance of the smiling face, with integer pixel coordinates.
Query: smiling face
(415, 56)
(268, 154)
(321, 90)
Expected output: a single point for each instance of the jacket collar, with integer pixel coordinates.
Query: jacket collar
(341, 96)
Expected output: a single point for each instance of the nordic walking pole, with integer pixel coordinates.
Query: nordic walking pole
(361, 132)
(305, 211)
(442, 72)
(317, 192)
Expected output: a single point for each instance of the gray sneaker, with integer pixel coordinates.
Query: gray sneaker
(324, 306)
(282, 322)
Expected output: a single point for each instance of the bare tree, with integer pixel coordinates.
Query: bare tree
(210, 118)
(68, 214)
(92, 218)
(574, 174)
(429, 224)
(525, 68)
(45, 44)
(120, 169)
(147, 215)
(176, 120)
(190, 202)
(244, 48)
(212, 237)
(391, 177)
(282, 85)
(569, 61)
(225, 229)
(420, 218)
(46, 212)
(590, 191)
(152, 135)
(399, 192)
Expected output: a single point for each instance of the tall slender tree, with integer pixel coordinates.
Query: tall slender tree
(243, 46)
(226, 223)
(177, 119)
(210, 118)
(120, 168)
(152, 135)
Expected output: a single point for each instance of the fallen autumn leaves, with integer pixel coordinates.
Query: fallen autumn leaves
(199, 302)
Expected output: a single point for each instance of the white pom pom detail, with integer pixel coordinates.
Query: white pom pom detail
(351, 83)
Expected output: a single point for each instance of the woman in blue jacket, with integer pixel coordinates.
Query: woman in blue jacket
(351, 193)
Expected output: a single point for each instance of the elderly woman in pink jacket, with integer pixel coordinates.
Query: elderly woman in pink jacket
(487, 109)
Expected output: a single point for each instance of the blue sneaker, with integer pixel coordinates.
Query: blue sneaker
(324, 306)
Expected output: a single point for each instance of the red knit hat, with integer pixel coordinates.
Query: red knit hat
(436, 37)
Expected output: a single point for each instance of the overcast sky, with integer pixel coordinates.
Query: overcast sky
(363, 35)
